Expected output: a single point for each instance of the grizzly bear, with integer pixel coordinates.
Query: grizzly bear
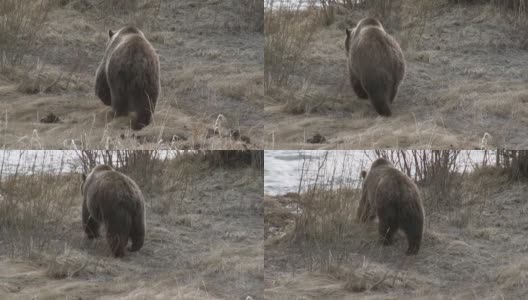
(113, 199)
(393, 197)
(128, 78)
(375, 63)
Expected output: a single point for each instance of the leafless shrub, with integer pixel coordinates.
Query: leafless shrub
(325, 210)
(135, 163)
(436, 170)
(289, 30)
(515, 162)
(234, 158)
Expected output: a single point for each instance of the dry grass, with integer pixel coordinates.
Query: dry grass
(211, 56)
(314, 248)
(204, 238)
(449, 98)
(290, 29)
(20, 24)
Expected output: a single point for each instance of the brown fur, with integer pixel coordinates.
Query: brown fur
(113, 199)
(128, 78)
(376, 64)
(393, 197)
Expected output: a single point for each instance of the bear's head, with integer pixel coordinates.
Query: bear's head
(113, 35)
(85, 178)
(351, 32)
(380, 162)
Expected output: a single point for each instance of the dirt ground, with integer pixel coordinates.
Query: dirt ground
(211, 78)
(477, 252)
(465, 88)
(201, 243)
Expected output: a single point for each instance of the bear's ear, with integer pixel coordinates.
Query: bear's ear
(363, 173)
(110, 33)
(348, 31)
(83, 177)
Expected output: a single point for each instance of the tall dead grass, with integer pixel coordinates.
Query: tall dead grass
(289, 30)
(388, 9)
(33, 201)
(325, 210)
(20, 23)
(251, 14)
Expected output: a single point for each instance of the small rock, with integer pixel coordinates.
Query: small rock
(50, 118)
(235, 134)
(317, 139)
(245, 139)
(210, 133)
(178, 137)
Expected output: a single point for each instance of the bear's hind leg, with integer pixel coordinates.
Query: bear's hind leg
(102, 90)
(118, 229)
(119, 102)
(413, 231)
(117, 244)
(358, 88)
(386, 232)
(90, 225)
(380, 101)
(142, 115)
(360, 92)
(140, 119)
(379, 88)
(137, 232)
(388, 223)
(394, 92)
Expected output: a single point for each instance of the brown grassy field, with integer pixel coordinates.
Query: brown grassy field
(203, 239)
(474, 244)
(465, 85)
(211, 56)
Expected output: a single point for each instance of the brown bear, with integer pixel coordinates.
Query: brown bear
(113, 199)
(128, 78)
(375, 63)
(393, 197)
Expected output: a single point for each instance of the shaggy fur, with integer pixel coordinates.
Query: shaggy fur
(113, 199)
(393, 197)
(376, 64)
(128, 78)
